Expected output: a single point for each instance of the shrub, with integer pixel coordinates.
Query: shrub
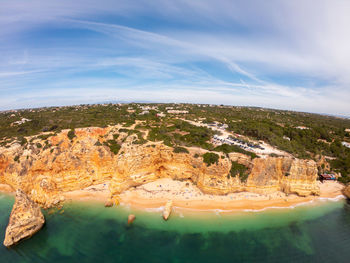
(240, 170)
(16, 159)
(71, 134)
(344, 179)
(113, 146)
(98, 143)
(22, 141)
(124, 130)
(226, 148)
(47, 146)
(38, 145)
(210, 158)
(179, 149)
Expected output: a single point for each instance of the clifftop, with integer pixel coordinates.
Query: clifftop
(89, 158)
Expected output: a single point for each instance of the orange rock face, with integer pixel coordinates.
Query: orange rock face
(346, 191)
(131, 219)
(45, 174)
(25, 220)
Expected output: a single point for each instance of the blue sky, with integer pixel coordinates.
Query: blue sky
(277, 53)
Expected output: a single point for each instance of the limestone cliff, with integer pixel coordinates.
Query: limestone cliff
(346, 191)
(44, 173)
(25, 220)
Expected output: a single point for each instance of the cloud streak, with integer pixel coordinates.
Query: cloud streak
(244, 52)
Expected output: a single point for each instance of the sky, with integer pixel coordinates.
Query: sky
(283, 54)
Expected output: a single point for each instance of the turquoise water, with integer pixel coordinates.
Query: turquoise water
(92, 233)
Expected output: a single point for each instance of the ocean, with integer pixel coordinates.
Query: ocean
(89, 232)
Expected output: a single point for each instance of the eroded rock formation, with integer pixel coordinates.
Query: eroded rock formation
(25, 220)
(45, 174)
(346, 191)
(167, 209)
(131, 219)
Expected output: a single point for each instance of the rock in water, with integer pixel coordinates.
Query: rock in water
(346, 191)
(167, 209)
(109, 203)
(25, 220)
(131, 219)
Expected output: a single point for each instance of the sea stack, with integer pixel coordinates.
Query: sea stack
(167, 209)
(25, 220)
(131, 219)
(109, 203)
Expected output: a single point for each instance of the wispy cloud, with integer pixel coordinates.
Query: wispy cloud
(282, 54)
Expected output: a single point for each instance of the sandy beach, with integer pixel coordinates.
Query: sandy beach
(185, 195)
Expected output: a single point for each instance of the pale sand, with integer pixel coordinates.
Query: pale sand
(4, 188)
(98, 192)
(185, 195)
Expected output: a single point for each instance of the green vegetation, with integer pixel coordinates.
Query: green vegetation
(322, 134)
(47, 145)
(98, 143)
(38, 145)
(22, 141)
(16, 159)
(179, 149)
(317, 135)
(177, 132)
(226, 148)
(71, 134)
(113, 146)
(210, 158)
(240, 170)
(45, 136)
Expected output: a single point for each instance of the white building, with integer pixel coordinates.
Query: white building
(302, 128)
(178, 111)
(346, 144)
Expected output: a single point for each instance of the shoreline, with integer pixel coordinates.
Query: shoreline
(186, 196)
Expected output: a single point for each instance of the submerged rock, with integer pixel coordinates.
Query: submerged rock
(346, 191)
(25, 220)
(109, 203)
(167, 209)
(131, 219)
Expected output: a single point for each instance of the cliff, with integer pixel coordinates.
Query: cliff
(25, 220)
(346, 191)
(62, 165)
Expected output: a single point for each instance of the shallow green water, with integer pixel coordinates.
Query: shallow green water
(92, 233)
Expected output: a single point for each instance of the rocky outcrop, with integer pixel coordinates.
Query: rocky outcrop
(241, 159)
(109, 203)
(346, 191)
(283, 174)
(167, 209)
(131, 219)
(25, 220)
(44, 174)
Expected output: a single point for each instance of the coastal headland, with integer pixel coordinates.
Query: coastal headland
(118, 164)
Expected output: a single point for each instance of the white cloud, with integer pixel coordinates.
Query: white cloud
(262, 42)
